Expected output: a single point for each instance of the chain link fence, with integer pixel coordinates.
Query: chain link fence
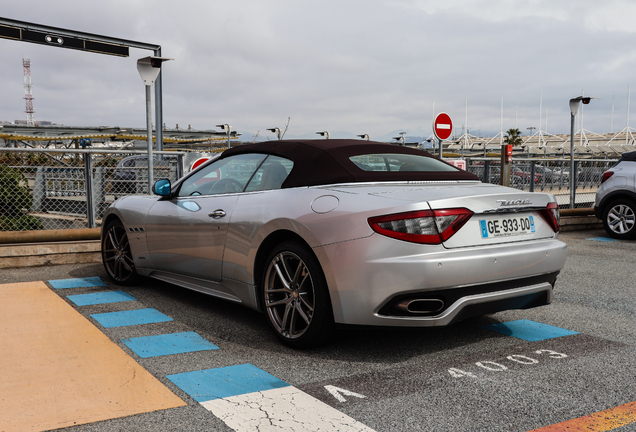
(50, 189)
(45, 189)
(548, 175)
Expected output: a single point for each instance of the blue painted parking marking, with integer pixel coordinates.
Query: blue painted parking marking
(210, 384)
(167, 344)
(132, 317)
(529, 330)
(77, 283)
(100, 298)
(603, 239)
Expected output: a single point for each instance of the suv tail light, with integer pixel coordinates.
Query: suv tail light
(424, 226)
(606, 176)
(551, 216)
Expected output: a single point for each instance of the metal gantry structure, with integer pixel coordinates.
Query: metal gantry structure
(82, 41)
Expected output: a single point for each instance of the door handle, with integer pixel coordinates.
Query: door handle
(217, 214)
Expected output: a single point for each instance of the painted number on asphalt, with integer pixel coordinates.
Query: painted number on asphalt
(492, 366)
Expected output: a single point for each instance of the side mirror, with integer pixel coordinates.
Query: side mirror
(162, 187)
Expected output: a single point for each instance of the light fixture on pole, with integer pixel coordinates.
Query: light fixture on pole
(324, 134)
(531, 128)
(575, 103)
(149, 68)
(364, 137)
(276, 131)
(228, 129)
(400, 139)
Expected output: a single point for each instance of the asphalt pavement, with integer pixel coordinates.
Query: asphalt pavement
(461, 378)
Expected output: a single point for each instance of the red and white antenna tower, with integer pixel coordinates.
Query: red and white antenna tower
(28, 94)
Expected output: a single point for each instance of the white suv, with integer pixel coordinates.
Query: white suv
(616, 198)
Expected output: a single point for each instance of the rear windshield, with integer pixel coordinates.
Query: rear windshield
(400, 162)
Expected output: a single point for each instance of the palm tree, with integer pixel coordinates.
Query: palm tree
(513, 136)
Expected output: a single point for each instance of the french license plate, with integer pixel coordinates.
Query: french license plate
(507, 226)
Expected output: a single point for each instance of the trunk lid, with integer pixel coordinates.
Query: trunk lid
(501, 214)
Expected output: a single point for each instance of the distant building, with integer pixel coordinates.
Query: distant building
(37, 123)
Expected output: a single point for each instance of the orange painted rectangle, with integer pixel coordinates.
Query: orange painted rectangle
(59, 370)
(601, 421)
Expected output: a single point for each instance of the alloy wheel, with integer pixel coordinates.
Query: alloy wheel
(116, 254)
(289, 295)
(621, 219)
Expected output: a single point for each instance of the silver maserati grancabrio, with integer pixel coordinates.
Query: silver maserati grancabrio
(323, 232)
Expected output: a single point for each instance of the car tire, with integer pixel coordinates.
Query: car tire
(116, 254)
(619, 219)
(296, 297)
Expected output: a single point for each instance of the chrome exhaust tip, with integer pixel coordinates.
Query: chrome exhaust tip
(421, 306)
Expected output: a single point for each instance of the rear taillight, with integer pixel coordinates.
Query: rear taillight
(606, 176)
(551, 216)
(425, 226)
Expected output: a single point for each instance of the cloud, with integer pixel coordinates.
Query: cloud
(353, 66)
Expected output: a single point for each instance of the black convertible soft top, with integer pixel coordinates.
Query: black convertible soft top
(322, 162)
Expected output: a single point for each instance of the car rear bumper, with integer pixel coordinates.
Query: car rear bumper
(367, 278)
(476, 305)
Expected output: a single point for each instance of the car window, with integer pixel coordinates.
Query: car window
(128, 163)
(227, 175)
(271, 174)
(399, 162)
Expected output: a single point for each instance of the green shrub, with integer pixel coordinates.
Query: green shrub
(14, 197)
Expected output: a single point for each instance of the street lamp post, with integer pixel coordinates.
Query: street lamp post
(574, 108)
(228, 129)
(149, 68)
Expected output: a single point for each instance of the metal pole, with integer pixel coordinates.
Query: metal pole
(88, 183)
(158, 108)
(466, 135)
(439, 148)
(501, 134)
(581, 119)
(149, 133)
(612, 124)
(627, 129)
(179, 166)
(229, 132)
(572, 116)
(532, 176)
(540, 110)
(487, 171)
(576, 181)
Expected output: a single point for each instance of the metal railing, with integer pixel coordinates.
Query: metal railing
(52, 189)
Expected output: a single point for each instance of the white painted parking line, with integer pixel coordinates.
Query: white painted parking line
(249, 399)
(282, 409)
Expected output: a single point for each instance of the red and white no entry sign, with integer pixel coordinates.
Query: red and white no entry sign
(442, 126)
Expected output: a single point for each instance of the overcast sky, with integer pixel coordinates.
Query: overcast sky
(345, 66)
